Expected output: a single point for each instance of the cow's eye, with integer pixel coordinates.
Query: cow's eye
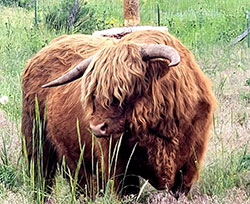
(115, 102)
(93, 103)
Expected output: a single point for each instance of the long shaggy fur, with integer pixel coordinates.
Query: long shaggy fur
(124, 73)
(58, 57)
(178, 108)
(166, 111)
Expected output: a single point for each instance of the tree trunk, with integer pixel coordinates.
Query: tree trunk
(131, 12)
(72, 17)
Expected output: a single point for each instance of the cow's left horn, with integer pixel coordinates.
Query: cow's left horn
(71, 75)
(151, 51)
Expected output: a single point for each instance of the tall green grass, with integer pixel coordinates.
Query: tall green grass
(230, 169)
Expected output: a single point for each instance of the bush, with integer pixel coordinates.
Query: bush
(57, 13)
(21, 3)
(8, 2)
(84, 20)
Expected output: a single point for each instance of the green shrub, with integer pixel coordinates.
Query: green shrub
(21, 3)
(56, 14)
(56, 17)
(8, 2)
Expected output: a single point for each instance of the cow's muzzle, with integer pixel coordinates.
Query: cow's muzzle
(99, 130)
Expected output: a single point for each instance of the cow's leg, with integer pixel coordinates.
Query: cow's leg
(50, 161)
(130, 184)
(199, 131)
(184, 179)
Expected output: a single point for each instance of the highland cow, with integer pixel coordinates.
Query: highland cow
(145, 89)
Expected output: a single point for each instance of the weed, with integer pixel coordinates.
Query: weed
(248, 82)
(57, 15)
(223, 173)
(8, 174)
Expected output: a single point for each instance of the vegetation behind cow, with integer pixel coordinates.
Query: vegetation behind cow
(206, 27)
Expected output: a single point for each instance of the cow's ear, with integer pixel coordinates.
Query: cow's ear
(71, 75)
(152, 51)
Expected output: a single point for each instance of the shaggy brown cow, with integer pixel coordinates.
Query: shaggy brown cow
(146, 87)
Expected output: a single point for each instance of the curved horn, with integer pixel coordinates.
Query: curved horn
(71, 75)
(152, 51)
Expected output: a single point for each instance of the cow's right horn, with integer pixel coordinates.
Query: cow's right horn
(151, 51)
(71, 75)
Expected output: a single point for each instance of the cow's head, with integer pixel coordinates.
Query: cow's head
(113, 80)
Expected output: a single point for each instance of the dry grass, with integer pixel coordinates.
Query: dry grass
(232, 125)
(233, 196)
(10, 137)
(13, 197)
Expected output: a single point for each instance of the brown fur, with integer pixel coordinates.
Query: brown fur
(178, 107)
(52, 61)
(166, 111)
